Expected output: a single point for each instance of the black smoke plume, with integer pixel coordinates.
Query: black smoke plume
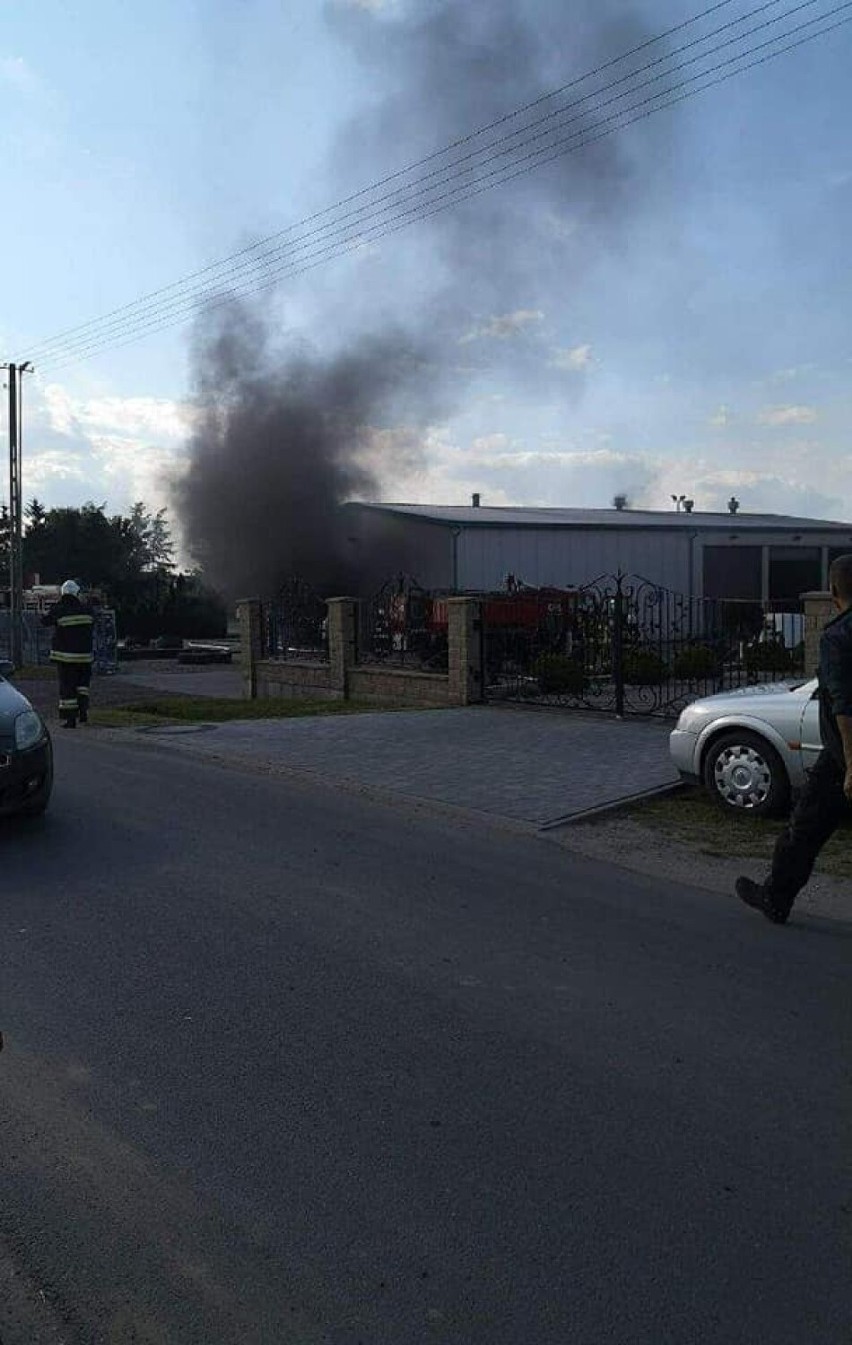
(282, 435)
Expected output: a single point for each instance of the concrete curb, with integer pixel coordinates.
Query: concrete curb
(601, 809)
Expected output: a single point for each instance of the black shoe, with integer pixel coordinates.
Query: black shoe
(755, 894)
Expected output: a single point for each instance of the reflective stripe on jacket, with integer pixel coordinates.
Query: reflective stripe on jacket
(72, 638)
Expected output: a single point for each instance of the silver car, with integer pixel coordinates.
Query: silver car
(751, 747)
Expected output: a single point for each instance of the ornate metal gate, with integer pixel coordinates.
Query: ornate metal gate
(626, 645)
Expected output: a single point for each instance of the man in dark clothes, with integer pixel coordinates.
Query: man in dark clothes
(71, 651)
(825, 800)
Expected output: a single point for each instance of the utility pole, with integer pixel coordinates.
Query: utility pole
(16, 565)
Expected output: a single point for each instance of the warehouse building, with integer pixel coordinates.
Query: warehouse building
(472, 548)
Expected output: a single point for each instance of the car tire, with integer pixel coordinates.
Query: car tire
(36, 805)
(746, 776)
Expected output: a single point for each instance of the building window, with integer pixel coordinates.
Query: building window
(733, 572)
(793, 570)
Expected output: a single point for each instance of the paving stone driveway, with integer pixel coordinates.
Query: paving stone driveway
(533, 766)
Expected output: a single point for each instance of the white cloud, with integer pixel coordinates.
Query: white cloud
(490, 443)
(500, 328)
(102, 448)
(720, 418)
(562, 228)
(155, 417)
(587, 471)
(573, 359)
(15, 73)
(790, 374)
(53, 465)
(787, 415)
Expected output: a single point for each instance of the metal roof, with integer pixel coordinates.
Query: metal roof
(522, 517)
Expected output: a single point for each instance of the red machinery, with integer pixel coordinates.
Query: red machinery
(527, 609)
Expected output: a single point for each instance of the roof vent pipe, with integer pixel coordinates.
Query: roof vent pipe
(474, 499)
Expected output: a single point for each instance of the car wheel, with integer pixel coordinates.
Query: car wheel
(745, 774)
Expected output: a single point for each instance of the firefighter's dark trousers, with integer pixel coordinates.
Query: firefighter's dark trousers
(819, 810)
(74, 679)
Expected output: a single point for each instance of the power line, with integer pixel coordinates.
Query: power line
(184, 303)
(359, 238)
(239, 264)
(268, 273)
(391, 177)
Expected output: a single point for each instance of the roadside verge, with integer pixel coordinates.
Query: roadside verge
(683, 837)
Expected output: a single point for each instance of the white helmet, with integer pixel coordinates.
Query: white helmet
(70, 589)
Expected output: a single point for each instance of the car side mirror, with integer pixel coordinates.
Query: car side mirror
(6, 668)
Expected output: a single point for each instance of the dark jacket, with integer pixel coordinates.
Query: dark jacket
(72, 638)
(835, 682)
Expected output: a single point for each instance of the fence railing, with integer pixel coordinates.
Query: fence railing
(621, 643)
(405, 625)
(625, 644)
(294, 624)
(35, 638)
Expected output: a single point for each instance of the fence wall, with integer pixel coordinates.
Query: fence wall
(606, 663)
(344, 675)
(35, 638)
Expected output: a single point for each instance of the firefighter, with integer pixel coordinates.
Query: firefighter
(71, 651)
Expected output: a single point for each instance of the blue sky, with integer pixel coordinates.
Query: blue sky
(684, 329)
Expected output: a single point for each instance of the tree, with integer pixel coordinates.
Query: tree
(35, 513)
(85, 544)
(129, 557)
(76, 543)
(153, 537)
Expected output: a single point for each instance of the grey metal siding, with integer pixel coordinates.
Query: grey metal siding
(385, 545)
(570, 557)
(384, 542)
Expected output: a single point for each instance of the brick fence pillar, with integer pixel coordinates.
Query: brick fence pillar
(251, 643)
(342, 641)
(818, 610)
(464, 635)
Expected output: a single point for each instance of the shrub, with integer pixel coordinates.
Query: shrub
(642, 667)
(696, 662)
(558, 674)
(768, 656)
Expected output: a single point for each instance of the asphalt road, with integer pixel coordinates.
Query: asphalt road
(287, 1065)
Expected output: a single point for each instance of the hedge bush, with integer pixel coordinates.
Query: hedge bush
(642, 667)
(770, 656)
(557, 674)
(696, 662)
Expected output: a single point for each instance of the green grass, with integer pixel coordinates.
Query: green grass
(690, 817)
(35, 672)
(213, 710)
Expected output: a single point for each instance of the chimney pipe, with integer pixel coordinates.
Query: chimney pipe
(474, 499)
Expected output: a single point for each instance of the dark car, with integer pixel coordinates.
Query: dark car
(26, 753)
